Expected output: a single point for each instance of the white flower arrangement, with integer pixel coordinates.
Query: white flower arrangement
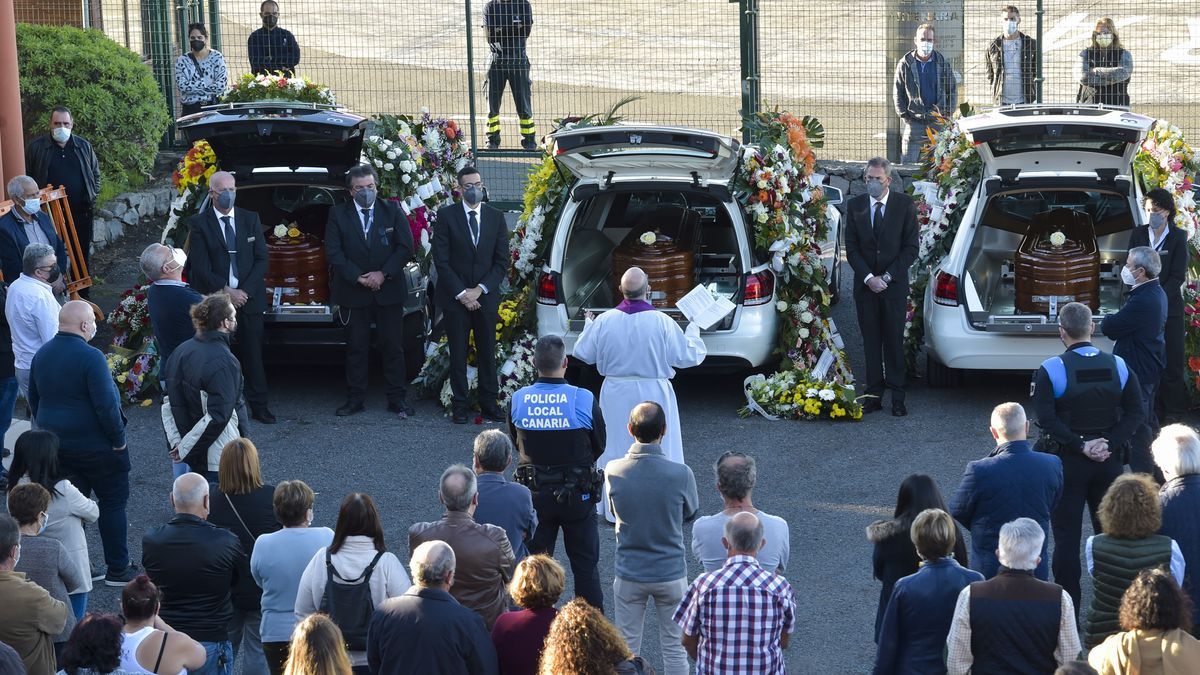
(280, 231)
(648, 238)
(781, 306)
(1058, 239)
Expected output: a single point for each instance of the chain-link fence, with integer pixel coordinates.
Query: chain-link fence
(685, 59)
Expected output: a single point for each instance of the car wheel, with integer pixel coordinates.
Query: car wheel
(941, 376)
(416, 328)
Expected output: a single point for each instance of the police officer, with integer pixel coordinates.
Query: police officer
(1088, 406)
(508, 23)
(559, 433)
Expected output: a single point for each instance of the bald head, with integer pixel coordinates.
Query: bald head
(77, 318)
(743, 534)
(635, 285)
(221, 180)
(190, 495)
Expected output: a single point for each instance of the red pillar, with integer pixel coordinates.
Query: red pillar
(12, 142)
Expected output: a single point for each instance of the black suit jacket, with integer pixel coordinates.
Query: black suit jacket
(425, 630)
(208, 258)
(893, 252)
(13, 241)
(1174, 255)
(460, 264)
(387, 247)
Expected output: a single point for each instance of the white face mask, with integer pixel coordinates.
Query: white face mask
(1010, 27)
(1128, 277)
(924, 48)
(60, 134)
(1104, 39)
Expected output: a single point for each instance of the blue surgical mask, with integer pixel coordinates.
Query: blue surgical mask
(31, 205)
(924, 48)
(225, 200)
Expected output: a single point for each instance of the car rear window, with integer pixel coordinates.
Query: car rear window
(1014, 211)
(1064, 137)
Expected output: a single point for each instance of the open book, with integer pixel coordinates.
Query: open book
(703, 308)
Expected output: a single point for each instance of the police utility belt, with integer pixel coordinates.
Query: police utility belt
(566, 481)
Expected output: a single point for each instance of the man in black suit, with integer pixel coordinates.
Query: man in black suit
(24, 220)
(1171, 244)
(470, 255)
(367, 243)
(229, 253)
(881, 244)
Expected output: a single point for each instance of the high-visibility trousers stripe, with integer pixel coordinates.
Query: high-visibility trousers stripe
(493, 124)
(527, 127)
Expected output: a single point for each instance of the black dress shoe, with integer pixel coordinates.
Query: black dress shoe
(872, 405)
(898, 409)
(459, 417)
(350, 408)
(263, 415)
(401, 410)
(493, 415)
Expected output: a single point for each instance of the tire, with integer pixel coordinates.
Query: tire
(941, 376)
(416, 329)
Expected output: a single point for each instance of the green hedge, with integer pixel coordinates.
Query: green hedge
(115, 100)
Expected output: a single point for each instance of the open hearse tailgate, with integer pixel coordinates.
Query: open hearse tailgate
(1045, 137)
(638, 152)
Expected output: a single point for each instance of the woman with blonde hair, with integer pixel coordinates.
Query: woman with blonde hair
(1130, 517)
(317, 648)
(1155, 618)
(1105, 67)
(519, 636)
(241, 503)
(582, 642)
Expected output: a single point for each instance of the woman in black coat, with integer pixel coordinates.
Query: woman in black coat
(1171, 243)
(242, 504)
(895, 555)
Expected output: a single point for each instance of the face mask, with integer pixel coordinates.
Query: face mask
(225, 200)
(1104, 40)
(365, 197)
(197, 45)
(875, 188)
(46, 519)
(31, 205)
(473, 195)
(1157, 220)
(270, 21)
(924, 48)
(55, 273)
(1128, 277)
(60, 134)
(1010, 27)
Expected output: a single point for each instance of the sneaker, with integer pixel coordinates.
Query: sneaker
(97, 574)
(119, 579)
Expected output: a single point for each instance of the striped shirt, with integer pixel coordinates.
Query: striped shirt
(740, 612)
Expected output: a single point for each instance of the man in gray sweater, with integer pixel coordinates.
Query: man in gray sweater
(651, 497)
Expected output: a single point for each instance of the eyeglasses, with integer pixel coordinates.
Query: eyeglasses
(45, 267)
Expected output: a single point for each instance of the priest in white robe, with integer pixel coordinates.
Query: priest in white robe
(637, 348)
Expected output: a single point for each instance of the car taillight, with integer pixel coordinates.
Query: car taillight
(945, 289)
(547, 289)
(760, 287)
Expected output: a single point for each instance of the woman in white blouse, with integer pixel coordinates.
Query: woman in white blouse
(357, 555)
(35, 459)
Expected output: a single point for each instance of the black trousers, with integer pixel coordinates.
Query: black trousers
(277, 655)
(1172, 390)
(1084, 482)
(881, 321)
(1140, 459)
(516, 75)
(459, 325)
(389, 324)
(248, 347)
(577, 520)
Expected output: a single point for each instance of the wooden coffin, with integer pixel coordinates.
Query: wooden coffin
(1069, 272)
(297, 266)
(670, 262)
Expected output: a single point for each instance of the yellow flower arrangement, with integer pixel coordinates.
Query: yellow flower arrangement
(837, 411)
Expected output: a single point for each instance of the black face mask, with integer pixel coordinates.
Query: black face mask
(54, 275)
(197, 45)
(270, 21)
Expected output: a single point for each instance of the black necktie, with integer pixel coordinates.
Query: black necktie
(877, 222)
(366, 221)
(474, 223)
(230, 244)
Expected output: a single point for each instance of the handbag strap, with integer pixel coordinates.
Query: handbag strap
(239, 516)
(161, 648)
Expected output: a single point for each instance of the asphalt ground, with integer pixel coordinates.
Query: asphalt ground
(828, 479)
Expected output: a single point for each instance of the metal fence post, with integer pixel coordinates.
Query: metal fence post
(751, 82)
(471, 80)
(156, 46)
(214, 23)
(1041, 11)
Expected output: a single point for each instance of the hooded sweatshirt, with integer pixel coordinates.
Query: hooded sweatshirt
(1147, 652)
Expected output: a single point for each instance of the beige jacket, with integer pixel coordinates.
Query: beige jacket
(29, 618)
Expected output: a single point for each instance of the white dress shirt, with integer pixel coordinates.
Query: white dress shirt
(32, 313)
(365, 223)
(233, 280)
(882, 214)
(478, 211)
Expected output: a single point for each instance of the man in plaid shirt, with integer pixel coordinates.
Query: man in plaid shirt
(738, 618)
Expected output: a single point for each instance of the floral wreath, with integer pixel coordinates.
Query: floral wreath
(951, 171)
(276, 86)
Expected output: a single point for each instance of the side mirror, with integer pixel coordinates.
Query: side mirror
(832, 195)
